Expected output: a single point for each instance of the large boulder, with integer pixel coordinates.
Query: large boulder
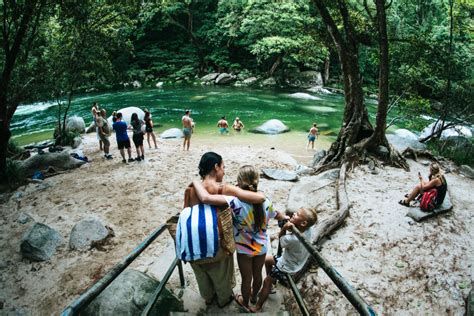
(313, 191)
(129, 293)
(282, 175)
(225, 78)
(58, 160)
(467, 171)
(402, 139)
(249, 81)
(91, 128)
(269, 82)
(458, 146)
(76, 124)
(127, 114)
(457, 130)
(318, 156)
(210, 77)
(304, 96)
(86, 232)
(40, 242)
(271, 127)
(305, 79)
(172, 133)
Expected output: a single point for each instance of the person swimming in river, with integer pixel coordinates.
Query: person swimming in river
(238, 125)
(223, 126)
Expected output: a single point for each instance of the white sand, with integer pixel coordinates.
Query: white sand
(398, 265)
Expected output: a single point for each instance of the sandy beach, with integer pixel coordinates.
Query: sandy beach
(397, 264)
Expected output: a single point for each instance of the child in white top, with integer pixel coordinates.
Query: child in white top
(294, 254)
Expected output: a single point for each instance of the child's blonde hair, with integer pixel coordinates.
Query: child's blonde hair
(248, 178)
(311, 216)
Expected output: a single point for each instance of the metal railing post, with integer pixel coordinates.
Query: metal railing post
(297, 294)
(349, 292)
(159, 289)
(181, 274)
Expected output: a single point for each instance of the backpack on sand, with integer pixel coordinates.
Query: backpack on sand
(428, 200)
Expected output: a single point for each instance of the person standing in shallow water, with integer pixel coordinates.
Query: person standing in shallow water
(238, 125)
(313, 133)
(187, 129)
(223, 126)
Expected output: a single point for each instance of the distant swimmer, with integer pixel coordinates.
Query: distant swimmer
(313, 133)
(187, 129)
(223, 126)
(238, 125)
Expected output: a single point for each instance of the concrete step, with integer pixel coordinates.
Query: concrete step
(193, 303)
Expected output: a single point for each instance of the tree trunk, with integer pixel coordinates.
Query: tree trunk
(357, 134)
(355, 124)
(275, 65)
(327, 64)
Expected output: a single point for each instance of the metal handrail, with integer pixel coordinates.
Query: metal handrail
(297, 294)
(349, 292)
(91, 293)
(161, 286)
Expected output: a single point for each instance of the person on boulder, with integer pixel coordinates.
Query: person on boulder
(436, 180)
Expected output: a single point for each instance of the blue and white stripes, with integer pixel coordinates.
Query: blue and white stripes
(197, 235)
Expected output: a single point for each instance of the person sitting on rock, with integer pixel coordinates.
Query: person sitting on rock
(294, 254)
(436, 180)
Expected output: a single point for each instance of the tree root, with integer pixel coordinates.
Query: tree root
(415, 153)
(328, 225)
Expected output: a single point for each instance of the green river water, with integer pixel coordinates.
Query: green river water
(35, 122)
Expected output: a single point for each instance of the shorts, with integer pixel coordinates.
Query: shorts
(148, 129)
(138, 139)
(223, 130)
(277, 274)
(187, 132)
(123, 144)
(311, 138)
(104, 140)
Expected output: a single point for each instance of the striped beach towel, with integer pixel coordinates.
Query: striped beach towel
(197, 235)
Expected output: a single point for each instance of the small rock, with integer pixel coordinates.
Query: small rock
(24, 218)
(40, 242)
(371, 165)
(86, 232)
(3, 264)
(283, 175)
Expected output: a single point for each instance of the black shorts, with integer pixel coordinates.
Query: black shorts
(148, 129)
(277, 274)
(138, 139)
(123, 144)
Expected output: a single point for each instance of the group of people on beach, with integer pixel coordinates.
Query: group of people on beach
(104, 131)
(120, 127)
(252, 211)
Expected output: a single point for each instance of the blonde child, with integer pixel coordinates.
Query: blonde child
(294, 254)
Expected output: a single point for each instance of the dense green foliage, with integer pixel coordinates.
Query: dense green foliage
(57, 48)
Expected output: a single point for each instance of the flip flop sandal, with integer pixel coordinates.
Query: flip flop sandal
(404, 203)
(242, 306)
